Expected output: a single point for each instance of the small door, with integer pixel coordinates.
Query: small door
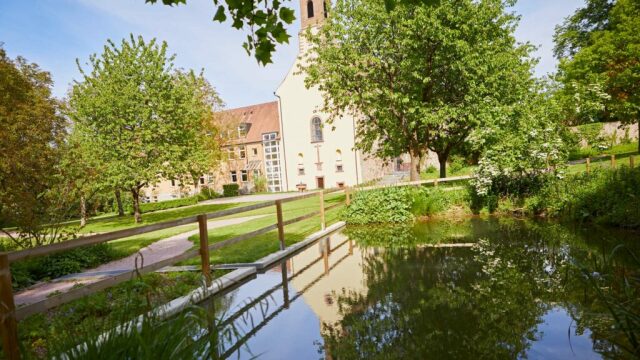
(320, 182)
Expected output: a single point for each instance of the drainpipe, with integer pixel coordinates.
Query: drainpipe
(284, 151)
(353, 120)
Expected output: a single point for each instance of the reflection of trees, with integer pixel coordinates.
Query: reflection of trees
(484, 301)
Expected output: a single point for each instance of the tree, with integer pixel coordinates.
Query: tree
(32, 132)
(419, 76)
(609, 59)
(81, 170)
(575, 32)
(206, 148)
(141, 117)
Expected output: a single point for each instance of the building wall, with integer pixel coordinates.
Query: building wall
(299, 106)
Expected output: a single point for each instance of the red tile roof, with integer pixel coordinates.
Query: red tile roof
(262, 118)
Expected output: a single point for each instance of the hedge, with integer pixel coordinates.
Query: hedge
(230, 190)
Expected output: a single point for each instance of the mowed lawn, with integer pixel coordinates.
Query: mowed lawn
(255, 248)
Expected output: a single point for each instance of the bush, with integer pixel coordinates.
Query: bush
(207, 194)
(260, 183)
(230, 190)
(605, 196)
(457, 163)
(431, 169)
(169, 204)
(387, 205)
(398, 204)
(28, 272)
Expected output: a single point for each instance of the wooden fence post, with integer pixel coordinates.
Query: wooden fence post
(280, 224)
(588, 164)
(631, 161)
(435, 183)
(347, 192)
(613, 161)
(323, 223)
(8, 324)
(204, 248)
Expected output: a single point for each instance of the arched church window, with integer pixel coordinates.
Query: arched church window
(338, 155)
(310, 9)
(316, 130)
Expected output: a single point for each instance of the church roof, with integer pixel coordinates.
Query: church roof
(260, 119)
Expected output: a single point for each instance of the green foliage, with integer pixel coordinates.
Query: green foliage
(169, 204)
(610, 197)
(429, 80)
(207, 194)
(605, 58)
(399, 204)
(431, 169)
(387, 205)
(32, 191)
(260, 183)
(143, 118)
(230, 190)
(28, 272)
(266, 20)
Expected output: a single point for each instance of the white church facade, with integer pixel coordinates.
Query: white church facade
(316, 155)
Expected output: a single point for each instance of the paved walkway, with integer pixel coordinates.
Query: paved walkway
(158, 251)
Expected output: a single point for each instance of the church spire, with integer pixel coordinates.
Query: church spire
(313, 12)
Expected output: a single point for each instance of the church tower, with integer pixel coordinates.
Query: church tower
(313, 12)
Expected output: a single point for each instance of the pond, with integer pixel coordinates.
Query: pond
(476, 288)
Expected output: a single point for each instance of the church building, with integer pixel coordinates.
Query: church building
(316, 155)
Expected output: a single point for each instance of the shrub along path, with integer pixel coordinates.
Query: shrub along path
(153, 253)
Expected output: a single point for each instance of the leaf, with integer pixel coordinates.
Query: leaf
(220, 15)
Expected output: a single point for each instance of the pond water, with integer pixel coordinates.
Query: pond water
(477, 288)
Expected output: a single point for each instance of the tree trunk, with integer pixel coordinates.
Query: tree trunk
(83, 211)
(442, 159)
(414, 172)
(119, 202)
(136, 204)
(639, 135)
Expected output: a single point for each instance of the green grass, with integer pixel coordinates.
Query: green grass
(260, 246)
(605, 163)
(118, 223)
(466, 170)
(585, 152)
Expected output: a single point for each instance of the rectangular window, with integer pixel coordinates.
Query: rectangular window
(255, 151)
(202, 180)
(339, 168)
(256, 173)
(245, 176)
(301, 171)
(243, 152)
(231, 153)
(173, 183)
(234, 176)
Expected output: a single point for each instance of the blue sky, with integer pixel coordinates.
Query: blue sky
(53, 33)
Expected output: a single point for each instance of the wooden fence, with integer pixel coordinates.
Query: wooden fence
(10, 316)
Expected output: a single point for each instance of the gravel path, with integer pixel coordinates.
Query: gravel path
(153, 253)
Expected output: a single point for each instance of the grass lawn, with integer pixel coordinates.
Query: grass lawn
(467, 170)
(127, 221)
(621, 160)
(260, 246)
(585, 152)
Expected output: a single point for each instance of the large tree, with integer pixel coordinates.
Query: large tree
(418, 76)
(141, 116)
(32, 131)
(606, 58)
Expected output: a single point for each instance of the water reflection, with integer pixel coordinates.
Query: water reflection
(508, 289)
